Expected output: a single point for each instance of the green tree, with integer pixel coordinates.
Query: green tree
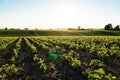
(6, 28)
(117, 27)
(108, 27)
(26, 29)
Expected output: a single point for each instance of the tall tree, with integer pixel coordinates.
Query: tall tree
(6, 28)
(117, 27)
(108, 27)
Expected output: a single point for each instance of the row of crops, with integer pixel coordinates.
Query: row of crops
(60, 58)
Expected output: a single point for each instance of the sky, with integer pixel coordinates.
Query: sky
(53, 14)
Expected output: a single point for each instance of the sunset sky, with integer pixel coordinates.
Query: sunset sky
(46, 14)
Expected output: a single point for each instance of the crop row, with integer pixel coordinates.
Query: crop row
(4, 42)
(100, 55)
(64, 58)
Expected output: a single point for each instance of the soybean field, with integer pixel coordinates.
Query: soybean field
(60, 58)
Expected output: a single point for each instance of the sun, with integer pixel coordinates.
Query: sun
(65, 14)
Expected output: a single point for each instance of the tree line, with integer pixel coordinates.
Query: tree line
(110, 27)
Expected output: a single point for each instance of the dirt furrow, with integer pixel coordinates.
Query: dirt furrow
(26, 61)
(8, 53)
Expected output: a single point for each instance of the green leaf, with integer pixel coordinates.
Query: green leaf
(113, 77)
(76, 62)
(94, 76)
(1, 69)
(4, 76)
(13, 65)
(110, 77)
(43, 68)
(0, 76)
(101, 71)
(15, 70)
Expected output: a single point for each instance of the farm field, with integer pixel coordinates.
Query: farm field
(86, 32)
(60, 58)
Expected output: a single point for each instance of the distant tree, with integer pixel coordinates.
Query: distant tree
(108, 27)
(82, 28)
(117, 27)
(79, 27)
(70, 28)
(26, 29)
(6, 28)
(36, 29)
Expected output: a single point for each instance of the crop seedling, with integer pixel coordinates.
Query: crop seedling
(43, 66)
(110, 77)
(96, 74)
(8, 70)
(96, 63)
(35, 58)
(13, 59)
(76, 62)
